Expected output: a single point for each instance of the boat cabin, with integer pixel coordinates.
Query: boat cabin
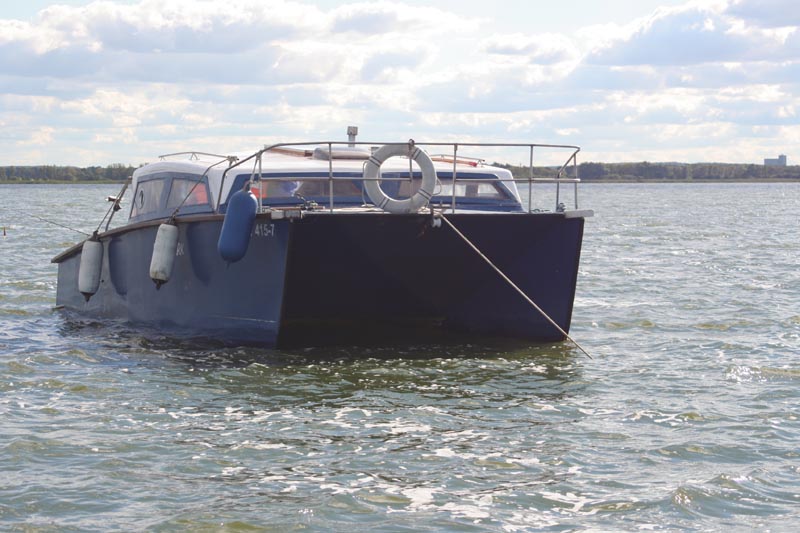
(316, 179)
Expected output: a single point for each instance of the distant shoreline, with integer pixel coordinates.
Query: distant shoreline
(60, 182)
(703, 181)
(589, 172)
(583, 181)
(38, 174)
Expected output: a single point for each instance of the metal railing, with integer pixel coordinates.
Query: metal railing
(195, 155)
(454, 156)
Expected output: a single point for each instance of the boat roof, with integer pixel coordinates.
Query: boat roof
(221, 170)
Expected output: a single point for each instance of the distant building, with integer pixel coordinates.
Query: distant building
(780, 162)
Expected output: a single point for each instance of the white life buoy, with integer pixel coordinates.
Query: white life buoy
(372, 171)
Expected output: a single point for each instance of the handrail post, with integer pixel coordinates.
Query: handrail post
(530, 183)
(330, 176)
(577, 178)
(262, 186)
(558, 191)
(455, 167)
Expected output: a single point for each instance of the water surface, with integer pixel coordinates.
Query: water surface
(686, 418)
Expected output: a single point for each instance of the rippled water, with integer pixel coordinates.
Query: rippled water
(686, 418)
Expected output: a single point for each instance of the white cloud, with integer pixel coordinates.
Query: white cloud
(128, 109)
(41, 136)
(697, 34)
(545, 49)
(116, 136)
(675, 37)
(767, 13)
(383, 17)
(385, 66)
(109, 81)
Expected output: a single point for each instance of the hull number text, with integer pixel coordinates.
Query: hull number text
(264, 230)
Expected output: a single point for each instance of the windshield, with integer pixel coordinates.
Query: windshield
(475, 189)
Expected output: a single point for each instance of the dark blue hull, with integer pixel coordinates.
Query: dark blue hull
(351, 278)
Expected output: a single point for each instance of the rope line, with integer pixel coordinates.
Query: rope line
(57, 224)
(514, 286)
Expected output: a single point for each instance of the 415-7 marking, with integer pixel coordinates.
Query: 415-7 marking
(264, 229)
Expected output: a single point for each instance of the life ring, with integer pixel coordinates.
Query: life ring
(372, 171)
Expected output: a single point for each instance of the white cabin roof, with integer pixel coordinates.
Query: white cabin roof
(215, 167)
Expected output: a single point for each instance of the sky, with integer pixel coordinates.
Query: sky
(121, 81)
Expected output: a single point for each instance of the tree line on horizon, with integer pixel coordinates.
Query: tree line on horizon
(645, 171)
(641, 171)
(65, 174)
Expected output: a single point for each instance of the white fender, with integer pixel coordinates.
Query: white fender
(372, 171)
(164, 249)
(90, 268)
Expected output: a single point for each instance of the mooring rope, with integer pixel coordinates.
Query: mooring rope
(57, 224)
(514, 286)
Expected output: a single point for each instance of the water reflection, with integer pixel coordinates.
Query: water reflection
(491, 370)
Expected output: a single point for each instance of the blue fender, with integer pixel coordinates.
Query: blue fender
(237, 226)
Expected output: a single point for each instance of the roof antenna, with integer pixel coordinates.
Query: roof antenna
(352, 131)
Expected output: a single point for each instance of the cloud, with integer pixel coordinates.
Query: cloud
(383, 17)
(181, 28)
(676, 37)
(386, 65)
(110, 81)
(589, 77)
(545, 49)
(697, 34)
(130, 108)
(180, 25)
(766, 13)
(165, 40)
(370, 19)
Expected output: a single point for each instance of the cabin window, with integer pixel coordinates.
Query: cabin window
(342, 187)
(471, 189)
(283, 188)
(147, 198)
(465, 188)
(292, 188)
(192, 190)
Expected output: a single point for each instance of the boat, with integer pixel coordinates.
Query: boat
(306, 243)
